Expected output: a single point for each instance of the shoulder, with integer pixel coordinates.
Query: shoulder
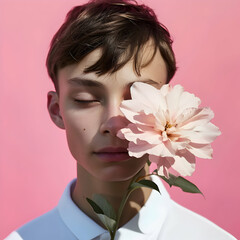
(186, 224)
(47, 226)
(183, 224)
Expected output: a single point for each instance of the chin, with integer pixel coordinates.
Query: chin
(118, 173)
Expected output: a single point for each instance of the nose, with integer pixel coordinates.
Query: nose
(113, 119)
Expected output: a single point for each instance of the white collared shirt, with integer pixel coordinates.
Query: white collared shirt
(159, 219)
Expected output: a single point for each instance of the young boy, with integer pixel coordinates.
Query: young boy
(102, 48)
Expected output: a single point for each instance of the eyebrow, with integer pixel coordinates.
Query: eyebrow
(149, 81)
(94, 83)
(85, 82)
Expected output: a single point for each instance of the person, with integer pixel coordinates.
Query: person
(102, 48)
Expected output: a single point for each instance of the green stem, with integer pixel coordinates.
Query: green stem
(123, 202)
(112, 235)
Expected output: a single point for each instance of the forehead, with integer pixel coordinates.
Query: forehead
(154, 71)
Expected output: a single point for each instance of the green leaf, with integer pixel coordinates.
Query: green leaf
(181, 182)
(148, 162)
(95, 207)
(109, 223)
(106, 207)
(144, 183)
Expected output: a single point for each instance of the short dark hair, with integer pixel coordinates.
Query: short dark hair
(119, 27)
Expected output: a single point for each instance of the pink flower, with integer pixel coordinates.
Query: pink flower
(168, 125)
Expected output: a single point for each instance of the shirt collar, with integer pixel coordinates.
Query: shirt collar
(150, 217)
(77, 221)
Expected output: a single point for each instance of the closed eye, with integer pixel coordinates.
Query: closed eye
(86, 101)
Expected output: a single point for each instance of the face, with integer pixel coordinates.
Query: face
(87, 107)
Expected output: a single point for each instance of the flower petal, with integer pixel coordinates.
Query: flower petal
(201, 134)
(145, 119)
(131, 108)
(146, 95)
(196, 117)
(130, 133)
(188, 100)
(139, 149)
(161, 119)
(200, 150)
(163, 164)
(172, 99)
(163, 149)
(137, 131)
(184, 163)
(165, 89)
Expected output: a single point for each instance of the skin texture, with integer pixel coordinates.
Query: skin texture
(93, 125)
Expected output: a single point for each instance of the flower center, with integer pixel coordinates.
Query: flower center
(168, 125)
(169, 132)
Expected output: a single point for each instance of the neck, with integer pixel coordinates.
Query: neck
(86, 186)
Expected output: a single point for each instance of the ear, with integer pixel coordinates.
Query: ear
(54, 109)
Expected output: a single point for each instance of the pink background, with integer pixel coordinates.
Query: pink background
(35, 164)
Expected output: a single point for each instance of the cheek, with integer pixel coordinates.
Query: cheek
(80, 130)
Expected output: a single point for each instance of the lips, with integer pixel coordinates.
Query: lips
(112, 154)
